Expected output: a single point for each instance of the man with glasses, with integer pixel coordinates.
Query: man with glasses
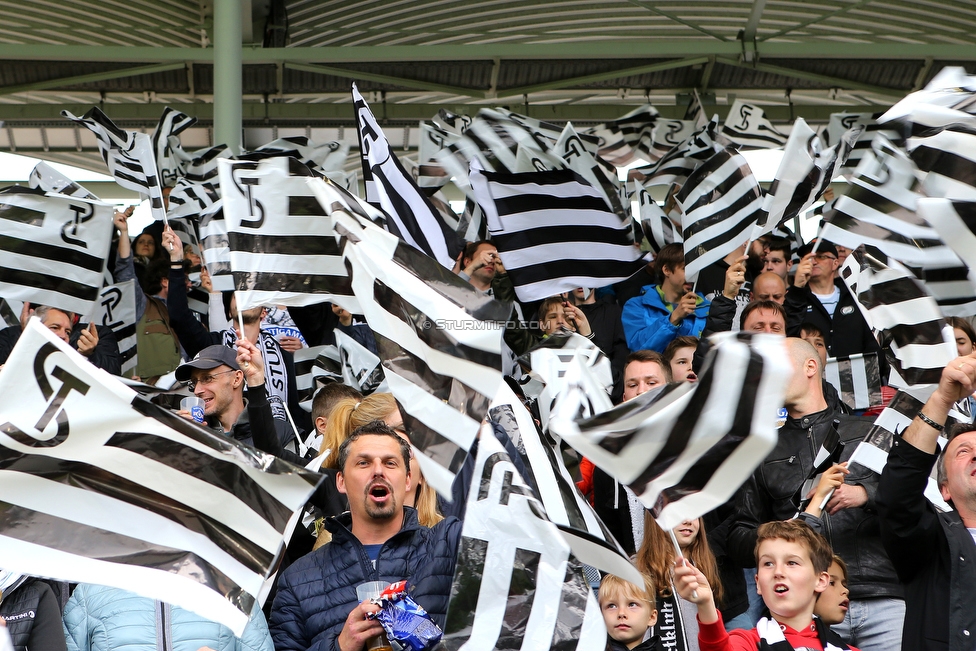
(215, 376)
(820, 299)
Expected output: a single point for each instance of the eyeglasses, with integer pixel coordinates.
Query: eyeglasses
(824, 256)
(207, 379)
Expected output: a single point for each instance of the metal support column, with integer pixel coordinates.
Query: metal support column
(227, 73)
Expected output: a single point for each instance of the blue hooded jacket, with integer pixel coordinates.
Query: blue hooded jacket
(647, 321)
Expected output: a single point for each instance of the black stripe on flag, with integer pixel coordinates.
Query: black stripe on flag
(297, 283)
(70, 537)
(41, 250)
(521, 594)
(47, 282)
(472, 553)
(283, 244)
(572, 602)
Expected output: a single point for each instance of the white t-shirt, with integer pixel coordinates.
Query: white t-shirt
(972, 532)
(830, 300)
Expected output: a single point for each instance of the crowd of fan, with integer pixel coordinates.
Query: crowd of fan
(872, 567)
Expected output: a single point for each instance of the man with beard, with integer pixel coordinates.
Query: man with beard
(378, 539)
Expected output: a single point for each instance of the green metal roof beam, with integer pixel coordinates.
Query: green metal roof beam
(602, 76)
(87, 79)
(812, 76)
(608, 49)
(387, 79)
(818, 19)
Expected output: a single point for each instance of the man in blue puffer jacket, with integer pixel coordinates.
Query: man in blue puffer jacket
(378, 539)
(661, 313)
(99, 618)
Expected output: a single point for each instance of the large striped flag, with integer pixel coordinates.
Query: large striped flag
(439, 338)
(191, 198)
(517, 584)
(54, 248)
(905, 320)
(684, 449)
(946, 155)
(169, 163)
(389, 187)
(803, 175)
(555, 232)
(129, 155)
(116, 309)
(683, 158)
(283, 249)
(746, 125)
(201, 165)
(722, 202)
(47, 178)
(102, 486)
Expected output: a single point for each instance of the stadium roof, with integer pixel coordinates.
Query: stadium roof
(580, 60)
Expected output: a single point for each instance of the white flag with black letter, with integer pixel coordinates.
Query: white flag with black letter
(283, 249)
(746, 125)
(169, 163)
(102, 486)
(684, 449)
(116, 309)
(54, 248)
(516, 583)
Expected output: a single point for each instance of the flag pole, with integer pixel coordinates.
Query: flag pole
(677, 551)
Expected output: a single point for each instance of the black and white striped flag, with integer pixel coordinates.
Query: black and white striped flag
(570, 152)
(10, 312)
(894, 419)
(746, 125)
(516, 583)
(857, 379)
(215, 247)
(116, 309)
(842, 123)
(47, 178)
(201, 165)
(169, 163)
(191, 198)
(54, 248)
(439, 338)
(682, 159)
(948, 159)
(324, 157)
(102, 486)
(804, 173)
(283, 249)
(657, 227)
(360, 368)
(684, 449)
(389, 187)
(905, 320)
(628, 137)
(315, 366)
(555, 232)
(951, 88)
(721, 201)
(548, 476)
(129, 155)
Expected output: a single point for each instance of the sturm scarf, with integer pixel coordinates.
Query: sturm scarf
(275, 376)
(771, 636)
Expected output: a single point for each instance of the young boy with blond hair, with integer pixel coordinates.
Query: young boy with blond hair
(792, 562)
(629, 612)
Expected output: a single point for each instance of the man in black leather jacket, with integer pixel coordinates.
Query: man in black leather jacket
(850, 521)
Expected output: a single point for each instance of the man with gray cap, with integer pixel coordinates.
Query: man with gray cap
(215, 377)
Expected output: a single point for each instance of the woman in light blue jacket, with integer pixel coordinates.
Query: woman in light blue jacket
(98, 618)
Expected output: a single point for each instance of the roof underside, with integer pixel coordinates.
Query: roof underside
(580, 60)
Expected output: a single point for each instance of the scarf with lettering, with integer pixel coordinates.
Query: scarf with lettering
(670, 626)
(771, 637)
(275, 375)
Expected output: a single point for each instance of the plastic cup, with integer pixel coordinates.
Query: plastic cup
(194, 405)
(372, 590)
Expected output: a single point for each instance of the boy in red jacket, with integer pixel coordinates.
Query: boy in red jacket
(791, 562)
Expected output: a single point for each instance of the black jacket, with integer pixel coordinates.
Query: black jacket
(33, 617)
(608, 335)
(848, 332)
(933, 552)
(772, 494)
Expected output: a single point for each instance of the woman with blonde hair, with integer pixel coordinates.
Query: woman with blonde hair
(347, 415)
(656, 558)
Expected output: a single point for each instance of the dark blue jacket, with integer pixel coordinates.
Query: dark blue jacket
(317, 592)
